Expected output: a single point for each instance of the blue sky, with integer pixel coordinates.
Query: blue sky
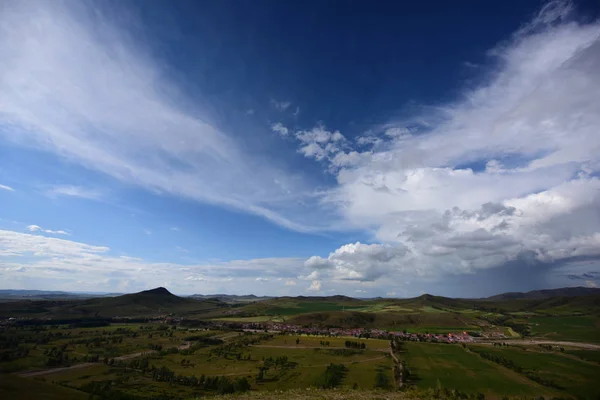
(289, 148)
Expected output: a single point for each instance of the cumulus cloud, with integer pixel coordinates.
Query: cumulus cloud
(102, 101)
(315, 286)
(7, 188)
(37, 228)
(279, 128)
(319, 143)
(420, 186)
(61, 263)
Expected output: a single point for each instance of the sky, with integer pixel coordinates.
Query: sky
(300, 148)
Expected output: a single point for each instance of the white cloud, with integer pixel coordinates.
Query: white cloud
(7, 188)
(279, 128)
(147, 231)
(174, 228)
(422, 191)
(75, 83)
(397, 132)
(36, 228)
(75, 191)
(315, 286)
(297, 112)
(59, 262)
(391, 294)
(319, 143)
(290, 282)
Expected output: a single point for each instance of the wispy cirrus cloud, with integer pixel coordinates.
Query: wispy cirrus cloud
(102, 101)
(37, 228)
(7, 188)
(75, 191)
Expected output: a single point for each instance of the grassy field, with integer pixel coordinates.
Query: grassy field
(588, 355)
(308, 366)
(334, 342)
(79, 344)
(451, 366)
(575, 328)
(576, 377)
(12, 387)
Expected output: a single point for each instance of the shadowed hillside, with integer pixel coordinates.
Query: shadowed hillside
(548, 293)
(146, 303)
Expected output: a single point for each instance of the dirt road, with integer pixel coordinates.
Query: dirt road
(526, 342)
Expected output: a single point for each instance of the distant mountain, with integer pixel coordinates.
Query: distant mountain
(16, 294)
(148, 303)
(547, 293)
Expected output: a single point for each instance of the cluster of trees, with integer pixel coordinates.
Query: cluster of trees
(324, 342)
(56, 356)
(277, 362)
(220, 384)
(355, 345)
(397, 345)
(511, 365)
(208, 341)
(333, 376)
(105, 390)
(381, 380)
(234, 348)
(342, 352)
(453, 394)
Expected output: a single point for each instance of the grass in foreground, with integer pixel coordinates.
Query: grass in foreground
(345, 394)
(13, 387)
(573, 376)
(435, 365)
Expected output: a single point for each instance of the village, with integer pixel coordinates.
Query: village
(362, 333)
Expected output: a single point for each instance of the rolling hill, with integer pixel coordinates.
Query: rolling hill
(147, 303)
(547, 293)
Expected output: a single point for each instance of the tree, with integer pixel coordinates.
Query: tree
(297, 341)
(381, 380)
